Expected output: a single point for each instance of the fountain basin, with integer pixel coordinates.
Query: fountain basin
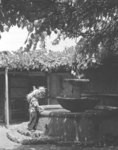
(77, 104)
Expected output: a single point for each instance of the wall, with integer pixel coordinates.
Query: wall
(103, 80)
(17, 96)
(20, 84)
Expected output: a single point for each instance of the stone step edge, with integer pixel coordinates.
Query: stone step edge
(31, 141)
(29, 133)
(44, 140)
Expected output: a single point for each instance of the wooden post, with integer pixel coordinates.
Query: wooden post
(48, 88)
(6, 98)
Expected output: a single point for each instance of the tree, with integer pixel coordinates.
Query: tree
(96, 21)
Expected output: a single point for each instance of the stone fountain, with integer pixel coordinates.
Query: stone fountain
(81, 119)
(76, 120)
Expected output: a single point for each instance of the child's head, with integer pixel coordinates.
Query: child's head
(37, 93)
(40, 92)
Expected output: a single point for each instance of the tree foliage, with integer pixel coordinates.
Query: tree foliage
(96, 21)
(70, 16)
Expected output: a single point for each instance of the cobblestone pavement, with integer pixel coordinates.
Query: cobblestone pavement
(6, 144)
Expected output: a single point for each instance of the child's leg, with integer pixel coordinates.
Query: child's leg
(33, 117)
(36, 119)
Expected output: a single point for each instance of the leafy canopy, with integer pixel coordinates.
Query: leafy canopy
(96, 21)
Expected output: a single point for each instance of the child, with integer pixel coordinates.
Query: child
(34, 108)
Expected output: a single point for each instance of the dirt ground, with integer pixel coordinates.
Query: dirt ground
(6, 144)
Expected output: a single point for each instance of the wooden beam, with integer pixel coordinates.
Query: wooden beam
(36, 73)
(6, 98)
(48, 88)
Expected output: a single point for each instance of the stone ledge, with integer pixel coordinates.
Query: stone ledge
(25, 140)
(48, 107)
(35, 134)
(88, 113)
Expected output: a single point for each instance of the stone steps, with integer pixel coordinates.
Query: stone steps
(14, 136)
(26, 137)
(34, 134)
(17, 137)
(22, 135)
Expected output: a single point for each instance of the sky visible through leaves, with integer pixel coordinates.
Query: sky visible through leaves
(15, 38)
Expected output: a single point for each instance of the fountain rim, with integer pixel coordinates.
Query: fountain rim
(74, 98)
(77, 80)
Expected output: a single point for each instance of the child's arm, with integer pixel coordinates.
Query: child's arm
(40, 109)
